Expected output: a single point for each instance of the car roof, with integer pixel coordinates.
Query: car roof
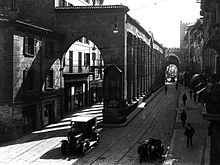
(82, 118)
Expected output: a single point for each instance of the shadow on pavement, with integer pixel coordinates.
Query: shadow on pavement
(55, 153)
(58, 129)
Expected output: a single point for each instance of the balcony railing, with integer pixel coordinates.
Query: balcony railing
(77, 69)
(214, 31)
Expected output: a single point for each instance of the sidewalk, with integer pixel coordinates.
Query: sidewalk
(198, 153)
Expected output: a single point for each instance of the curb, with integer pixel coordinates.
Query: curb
(207, 151)
(132, 114)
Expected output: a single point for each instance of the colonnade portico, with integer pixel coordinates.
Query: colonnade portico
(138, 67)
(129, 55)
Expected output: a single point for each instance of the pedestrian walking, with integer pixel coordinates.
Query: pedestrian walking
(183, 117)
(194, 96)
(190, 94)
(165, 89)
(189, 132)
(176, 86)
(184, 98)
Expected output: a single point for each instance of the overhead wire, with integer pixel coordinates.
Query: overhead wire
(150, 4)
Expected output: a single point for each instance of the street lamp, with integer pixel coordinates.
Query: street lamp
(115, 30)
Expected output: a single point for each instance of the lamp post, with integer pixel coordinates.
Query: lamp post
(115, 30)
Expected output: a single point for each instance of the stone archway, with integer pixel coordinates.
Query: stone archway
(77, 22)
(172, 59)
(97, 24)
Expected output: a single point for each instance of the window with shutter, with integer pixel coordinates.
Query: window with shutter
(70, 61)
(29, 46)
(49, 82)
(37, 45)
(87, 59)
(93, 56)
(80, 62)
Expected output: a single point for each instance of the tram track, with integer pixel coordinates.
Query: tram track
(148, 125)
(144, 134)
(150, 133)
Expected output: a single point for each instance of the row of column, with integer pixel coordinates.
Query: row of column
(140, 67)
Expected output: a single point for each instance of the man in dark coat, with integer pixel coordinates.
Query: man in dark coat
(189, 132)
(194, 96)
(165, 89)
(184, 98)
(183, 117)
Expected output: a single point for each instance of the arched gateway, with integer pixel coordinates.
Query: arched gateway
(173, 59)
(123, 82)
(98, 23)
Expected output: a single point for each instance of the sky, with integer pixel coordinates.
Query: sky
(162, 17)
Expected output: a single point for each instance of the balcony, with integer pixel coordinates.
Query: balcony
(77, 70)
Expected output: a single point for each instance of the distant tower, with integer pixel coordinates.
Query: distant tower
(183, 27)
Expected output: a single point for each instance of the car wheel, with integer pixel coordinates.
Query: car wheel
(140, 158)
(84, 148)
(97, 139)
(63, 147)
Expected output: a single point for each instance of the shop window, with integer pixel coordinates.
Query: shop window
(28, 79)
(87, 59)
(49, 49)
(49, 82)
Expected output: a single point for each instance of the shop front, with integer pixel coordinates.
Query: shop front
(76, 93)
(96, 91)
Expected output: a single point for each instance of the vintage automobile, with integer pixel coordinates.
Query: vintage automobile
(150, 149)
(82, 137)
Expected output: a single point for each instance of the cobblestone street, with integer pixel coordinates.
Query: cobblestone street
(117, 145)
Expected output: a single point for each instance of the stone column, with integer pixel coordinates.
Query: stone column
(129, 67)
(145, 68)
(134, 46)
(142, 68)
(138, 68)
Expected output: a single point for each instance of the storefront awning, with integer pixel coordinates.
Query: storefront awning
(198, 83)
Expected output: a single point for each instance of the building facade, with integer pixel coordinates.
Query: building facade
(83, 60)
(192, 48)
(210, 10)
